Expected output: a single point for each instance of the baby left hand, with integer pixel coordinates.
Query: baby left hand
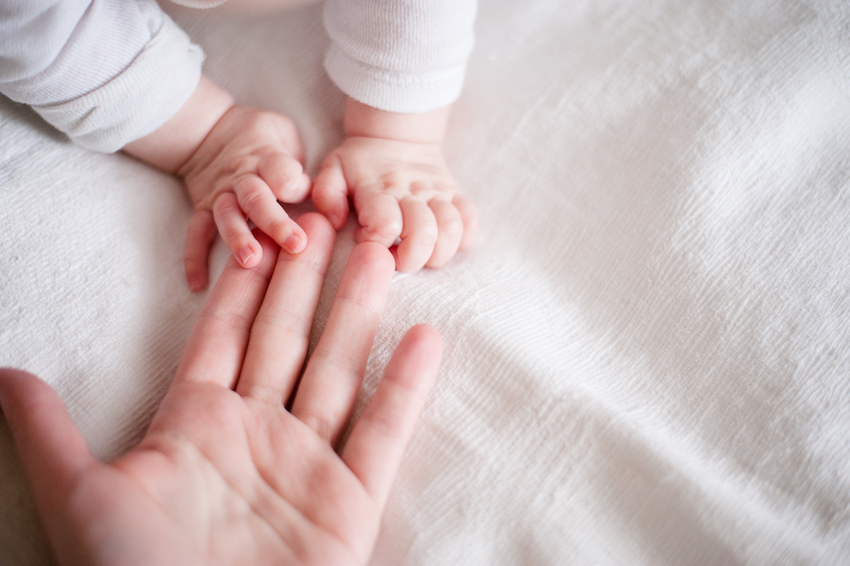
(401, 190)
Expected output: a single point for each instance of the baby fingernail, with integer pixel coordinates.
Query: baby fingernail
(294, 243)
(245, 255)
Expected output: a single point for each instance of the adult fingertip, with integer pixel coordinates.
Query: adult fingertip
(316, 226)
(427, 336)
(416, 359)
(375, 255)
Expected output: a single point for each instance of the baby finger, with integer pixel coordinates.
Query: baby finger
(285, 177)
(199, 237)
(380, 215)
(235, 232)
(450, 228)
(261, 206)
(470, 220)
(418, 236)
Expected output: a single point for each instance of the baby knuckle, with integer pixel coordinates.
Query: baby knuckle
(251, 197)
(236, 241)
(428, 235)
(224, 206)
(385, 231)
(277, 228)
(452, 227)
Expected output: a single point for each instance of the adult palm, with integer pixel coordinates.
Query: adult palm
(226, 474)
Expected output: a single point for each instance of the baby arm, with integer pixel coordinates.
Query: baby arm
(391, 165)
(236, 162)
(111, 71)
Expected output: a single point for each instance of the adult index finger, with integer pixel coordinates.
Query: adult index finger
(219, 338)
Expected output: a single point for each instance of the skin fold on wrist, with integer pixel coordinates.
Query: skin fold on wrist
(171, 145)
(365, 121)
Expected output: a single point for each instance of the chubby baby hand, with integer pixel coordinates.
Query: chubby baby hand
(401, 188)
(250, 160)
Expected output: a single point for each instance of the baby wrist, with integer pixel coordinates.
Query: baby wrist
(170, 146)
(365, 121)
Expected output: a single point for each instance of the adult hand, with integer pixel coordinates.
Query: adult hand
(226, 474)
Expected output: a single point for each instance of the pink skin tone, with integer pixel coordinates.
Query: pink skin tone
(240, 163)
(237, 163)
(226, 474)
(391, 166)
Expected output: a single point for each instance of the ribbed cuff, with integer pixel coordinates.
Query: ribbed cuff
(139, 100)
(391, 90)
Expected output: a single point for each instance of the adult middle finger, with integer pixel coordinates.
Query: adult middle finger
(281, 331)
(334, 374)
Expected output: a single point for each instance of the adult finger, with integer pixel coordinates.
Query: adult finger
(377, 442)
(330, 193)
(450, 231)
(257, 201)
(469, 215)
(216, 345)
(281, 331)
(199, 237)
(334, 373)
(234, 230)
(418, 236)
(52, 448)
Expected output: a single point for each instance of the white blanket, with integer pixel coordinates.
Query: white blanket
(647, 350)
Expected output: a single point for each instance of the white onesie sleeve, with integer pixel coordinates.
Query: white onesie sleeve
(106, 72)
(399, 55)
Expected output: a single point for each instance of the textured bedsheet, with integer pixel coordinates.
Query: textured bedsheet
(648, 349)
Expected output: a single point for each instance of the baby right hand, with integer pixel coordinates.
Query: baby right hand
(249, 161)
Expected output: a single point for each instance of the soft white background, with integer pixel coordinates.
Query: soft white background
(648, 349)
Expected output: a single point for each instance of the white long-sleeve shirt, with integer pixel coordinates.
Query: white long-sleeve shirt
(107, 72)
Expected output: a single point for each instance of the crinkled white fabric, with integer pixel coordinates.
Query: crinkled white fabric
(648, 349)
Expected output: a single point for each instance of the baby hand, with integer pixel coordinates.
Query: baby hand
(400, 186)
(249, 161)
